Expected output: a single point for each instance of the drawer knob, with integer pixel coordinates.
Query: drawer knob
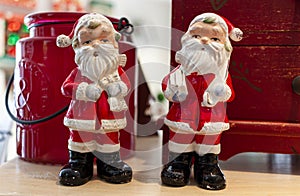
(296, 85)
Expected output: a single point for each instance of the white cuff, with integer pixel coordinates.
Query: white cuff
(80, 91)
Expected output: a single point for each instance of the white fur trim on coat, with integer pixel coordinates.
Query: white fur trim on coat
(209, 128)
(89, 125)
(179, 127)
(114, 124)
(117, 104)
(212, 128)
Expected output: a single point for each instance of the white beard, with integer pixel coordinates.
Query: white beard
(203, 58)
(207, 59)
(96, 67)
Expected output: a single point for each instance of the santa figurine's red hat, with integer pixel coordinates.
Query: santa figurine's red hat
(87, 19)
(234, 33)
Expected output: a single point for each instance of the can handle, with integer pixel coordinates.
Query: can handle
(28, 122)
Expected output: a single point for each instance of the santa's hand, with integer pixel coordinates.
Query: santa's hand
(179, 96)
(222, 92)
(176, 93)
(116, 89)
(93, 92)
(219, 90)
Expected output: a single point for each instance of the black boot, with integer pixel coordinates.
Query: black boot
(177, 171)
(112, 169)
(207, 172)
(78, 171)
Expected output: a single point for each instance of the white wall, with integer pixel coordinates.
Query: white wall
(152, 35)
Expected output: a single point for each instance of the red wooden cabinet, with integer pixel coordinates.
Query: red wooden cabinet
(265, 115)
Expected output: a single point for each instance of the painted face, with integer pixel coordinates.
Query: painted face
(203, 50)
(208, 33)
(97, 52)
(102, 34)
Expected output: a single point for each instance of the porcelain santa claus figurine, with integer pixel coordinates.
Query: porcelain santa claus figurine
(199, 89)
(97, 88)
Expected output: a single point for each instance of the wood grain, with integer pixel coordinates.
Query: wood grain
(246, 174)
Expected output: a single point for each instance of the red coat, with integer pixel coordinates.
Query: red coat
(189, 115)
(89, 115)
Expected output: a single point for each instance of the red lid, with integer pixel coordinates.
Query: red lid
(43, 18)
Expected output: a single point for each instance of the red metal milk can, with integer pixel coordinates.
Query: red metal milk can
(41, 68)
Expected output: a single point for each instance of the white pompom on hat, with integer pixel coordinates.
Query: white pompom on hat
(66, 40)
(63, 41)
(234, 33)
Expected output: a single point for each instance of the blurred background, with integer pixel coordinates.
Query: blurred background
(151, 20)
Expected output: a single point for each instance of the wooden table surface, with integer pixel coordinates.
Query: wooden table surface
(247, 174)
